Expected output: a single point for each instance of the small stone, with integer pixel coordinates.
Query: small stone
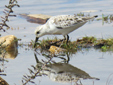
(41, 16)
(8, 42)
(36, 18)
(56, 50)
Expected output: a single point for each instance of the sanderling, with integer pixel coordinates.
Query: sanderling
(61, 25)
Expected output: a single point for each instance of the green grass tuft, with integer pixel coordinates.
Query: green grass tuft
(73, 46)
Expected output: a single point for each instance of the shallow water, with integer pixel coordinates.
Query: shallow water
(94, 62)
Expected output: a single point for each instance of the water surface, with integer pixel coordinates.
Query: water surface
(95, 63)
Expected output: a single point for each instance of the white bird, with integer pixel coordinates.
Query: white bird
(61, 25)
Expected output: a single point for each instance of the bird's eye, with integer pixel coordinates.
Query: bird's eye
(38, 32)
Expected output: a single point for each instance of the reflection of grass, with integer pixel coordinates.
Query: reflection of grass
(109, 79)
(85, 42)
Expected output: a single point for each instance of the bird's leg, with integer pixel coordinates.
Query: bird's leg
(67, 39)
(64, 37)
(63, 40)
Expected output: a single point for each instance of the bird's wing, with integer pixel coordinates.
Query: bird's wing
(66, 21)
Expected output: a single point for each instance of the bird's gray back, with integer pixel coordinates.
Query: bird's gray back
(66, 21)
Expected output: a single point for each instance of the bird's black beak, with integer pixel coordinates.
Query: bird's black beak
(36, 41)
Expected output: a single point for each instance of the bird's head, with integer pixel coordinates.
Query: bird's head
(38, 32)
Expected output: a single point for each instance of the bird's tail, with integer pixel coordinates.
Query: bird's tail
(89, 18)
(95, 16)
(94, 78)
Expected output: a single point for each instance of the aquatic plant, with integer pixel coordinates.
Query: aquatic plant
(85, 41)
(7, 12)
(106, 18)
(80, 14)
(73, 46)
(47, 43)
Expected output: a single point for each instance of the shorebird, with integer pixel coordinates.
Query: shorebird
(61, 25)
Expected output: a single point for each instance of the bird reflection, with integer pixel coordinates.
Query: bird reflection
(62, 71)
